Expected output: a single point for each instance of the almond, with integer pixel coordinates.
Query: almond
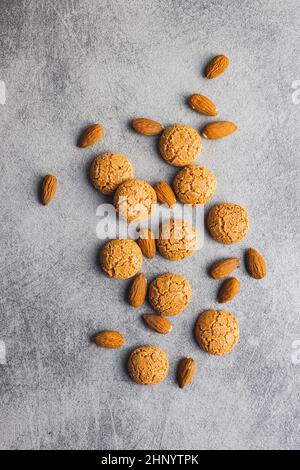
(48, 189)
(186, 371)
(157, 323)
(224, 267)
(228, 290)
(109, 339)
(218, 129)
(91, 135)
(165, 194)
(146, 126)
(255, 264)
(216, 66)
(146, 243)
(203, 105)
(138, 290)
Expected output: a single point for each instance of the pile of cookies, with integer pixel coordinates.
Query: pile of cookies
(216, 331)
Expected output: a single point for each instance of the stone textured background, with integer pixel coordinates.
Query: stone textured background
(66, 64)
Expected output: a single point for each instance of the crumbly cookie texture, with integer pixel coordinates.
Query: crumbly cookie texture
(170, 294)
(177, 239)
(217, 331)
(194, 185)
(121, 258)
(134, 200)
(109, 170)
(148, 365)
(228, 223)
(180, 145)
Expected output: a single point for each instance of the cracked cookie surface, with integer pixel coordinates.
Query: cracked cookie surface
(217, 331)
(170, 294)
(121, 258)
(194, 185)
(148, 365)
(228, 223)
(109, 170)
(177, 239)
(180, 145)
(134, 200)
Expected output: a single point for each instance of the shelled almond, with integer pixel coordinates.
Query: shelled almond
(165, 194)
(146, 126)
(48, 189)
(146, 242)
(138, 290)
(157, 323)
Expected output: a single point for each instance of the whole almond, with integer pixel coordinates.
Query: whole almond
(147, 126)
(203, 105)
(218, 129)
(109, 339)
(165, 194)
(157, 323)
(224, 267)
(255, 264)
(228, 290)
(146, 242)
(138, 290)
(91, 135)
(48, 189)
(216, 66)
(186, 371)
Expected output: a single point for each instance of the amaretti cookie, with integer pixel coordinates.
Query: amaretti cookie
(148, 365)
(217, 331)
(177, 239)
(121, 258)
(109, 170)
(180, 145)
(134, 200)
(228, 223)
(170, 294)
(194, 185)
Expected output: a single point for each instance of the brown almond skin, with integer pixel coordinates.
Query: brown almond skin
(165, 194)
(255, 264)
(228, 290)
(138, 291)
(147, 244)
(91, 135)
(109, 339)
(146, 126)
(157, 323)
(203, 105)
(186, 371)
(224, 267)
(218, 129)
(48, 189)
(216, 66)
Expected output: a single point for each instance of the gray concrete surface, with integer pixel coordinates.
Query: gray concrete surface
(68, 63)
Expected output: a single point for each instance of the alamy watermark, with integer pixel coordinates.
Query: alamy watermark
(2, 92)
(112, 226)
(295, 356)
(2, 352)
(296, 93)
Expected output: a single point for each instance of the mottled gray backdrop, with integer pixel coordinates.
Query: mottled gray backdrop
(66, 64)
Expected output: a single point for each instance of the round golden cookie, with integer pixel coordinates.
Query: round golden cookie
(121, 258)
(228, 223)
(135, 200)
(217, 331)
(170, 294)
(109, 170)
(194, 185)
(180, 145)
(148, 365)
(177, 239)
